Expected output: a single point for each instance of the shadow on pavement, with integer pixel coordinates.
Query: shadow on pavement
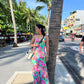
(13, 53)
(29, 83)
(73, 59)
(64, 78)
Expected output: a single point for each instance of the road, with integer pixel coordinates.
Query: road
(12, 60)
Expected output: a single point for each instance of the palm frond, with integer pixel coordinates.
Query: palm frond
(44, 1)
(39, 8)
(47, 2)
(1, 18)
(5, 10)
(2, 6)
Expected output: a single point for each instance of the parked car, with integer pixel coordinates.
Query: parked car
(61, 38)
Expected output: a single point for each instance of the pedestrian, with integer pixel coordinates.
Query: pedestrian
(72, 36)
(81, 44)
(40, 55)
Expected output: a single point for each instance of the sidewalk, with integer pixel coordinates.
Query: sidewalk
(61, 76)
(21, 77)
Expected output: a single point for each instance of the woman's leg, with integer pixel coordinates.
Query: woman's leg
(43, 72)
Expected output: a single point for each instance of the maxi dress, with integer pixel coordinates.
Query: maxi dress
(39, 68)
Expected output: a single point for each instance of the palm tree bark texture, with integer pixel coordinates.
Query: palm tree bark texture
(13, 19)
(54, 32)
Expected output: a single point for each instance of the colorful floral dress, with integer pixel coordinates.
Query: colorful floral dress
(39, 68)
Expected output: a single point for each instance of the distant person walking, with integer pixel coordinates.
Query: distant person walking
(72, 35)
(81, 44)
(39, 68)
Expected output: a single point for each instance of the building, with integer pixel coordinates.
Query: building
(78, 17)
(74, 21)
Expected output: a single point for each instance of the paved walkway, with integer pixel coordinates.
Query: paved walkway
(61, 76)
(25, 77)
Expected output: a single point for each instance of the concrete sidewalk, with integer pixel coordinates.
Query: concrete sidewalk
(61, 76)
(21, 77)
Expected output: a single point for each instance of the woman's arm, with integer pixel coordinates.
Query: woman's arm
(80, 46)
(32, 42)
(47, 45)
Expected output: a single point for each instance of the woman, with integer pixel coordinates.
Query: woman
(41, 51)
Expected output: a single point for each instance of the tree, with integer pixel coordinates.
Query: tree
(20, 1)
(54, 31)
(5, 15)
(21, 22)
(13, 19)
(27, 16)
(48, 3)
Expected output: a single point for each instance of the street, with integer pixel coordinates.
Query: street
(13, 59)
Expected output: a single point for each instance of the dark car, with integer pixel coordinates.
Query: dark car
(61, 38)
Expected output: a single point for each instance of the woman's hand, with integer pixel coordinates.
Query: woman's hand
(36, 45)
(79, 50)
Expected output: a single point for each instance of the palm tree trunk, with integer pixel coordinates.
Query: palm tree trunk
(27, 27)
(20, 1)
(13, 19)
(54, 31)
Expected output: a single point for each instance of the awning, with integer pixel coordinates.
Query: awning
(30, 33)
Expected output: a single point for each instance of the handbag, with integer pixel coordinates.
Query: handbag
(29, 53)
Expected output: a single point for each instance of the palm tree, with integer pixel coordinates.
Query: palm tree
(20, 1)
(54, 31)
(27, 17)
(30, 14)
(19, 11)
(48, 3)
(13, 19)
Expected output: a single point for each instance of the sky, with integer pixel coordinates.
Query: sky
(32, 4)
(68, 6)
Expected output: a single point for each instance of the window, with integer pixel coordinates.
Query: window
(71, 19)
(77, 19)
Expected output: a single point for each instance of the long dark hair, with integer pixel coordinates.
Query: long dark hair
(42, 28)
